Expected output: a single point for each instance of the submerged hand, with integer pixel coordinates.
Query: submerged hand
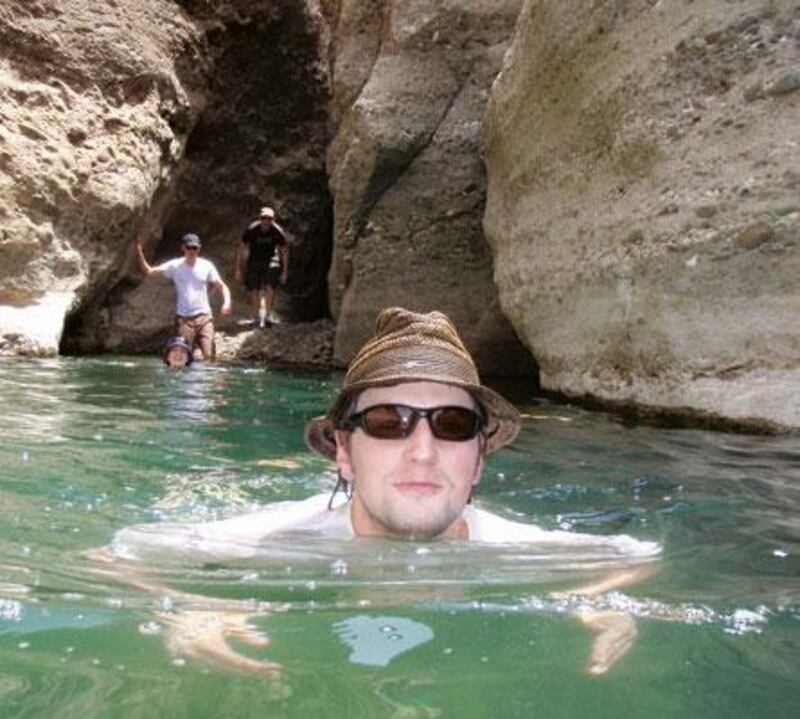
(614, 634)
(202, 636)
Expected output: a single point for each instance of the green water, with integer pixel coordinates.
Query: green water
(389, 629)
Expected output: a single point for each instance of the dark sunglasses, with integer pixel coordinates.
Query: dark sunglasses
(397, 421)
(191, 249)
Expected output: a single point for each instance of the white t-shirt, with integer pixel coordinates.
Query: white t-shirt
(191, 284)
(240, 537)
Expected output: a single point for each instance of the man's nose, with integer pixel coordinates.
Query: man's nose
(421, 444)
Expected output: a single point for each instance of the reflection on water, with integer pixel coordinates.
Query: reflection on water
(374, 629)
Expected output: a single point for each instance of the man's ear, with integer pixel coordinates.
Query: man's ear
(476, 477)
(343, 461)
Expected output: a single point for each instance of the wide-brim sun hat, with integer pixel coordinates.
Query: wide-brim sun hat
(414, 347)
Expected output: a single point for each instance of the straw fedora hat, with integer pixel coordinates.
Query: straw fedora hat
(413, 347)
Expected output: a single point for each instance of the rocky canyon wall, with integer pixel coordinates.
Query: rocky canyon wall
(410, 84)
(643, 172)
(624, 191)
(152, 118)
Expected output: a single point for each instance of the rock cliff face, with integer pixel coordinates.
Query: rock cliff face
(639, 192)
(152, 117)
(643, 165)
(411, 82)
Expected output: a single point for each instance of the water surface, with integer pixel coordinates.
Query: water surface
(387, 629)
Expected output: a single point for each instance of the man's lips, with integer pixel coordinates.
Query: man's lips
(411, 486)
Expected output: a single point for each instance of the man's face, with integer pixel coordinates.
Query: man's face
(190, 253)
(412, 487)
(266, 221)
(176, 358)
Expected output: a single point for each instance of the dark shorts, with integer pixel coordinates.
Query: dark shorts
(257, 277)
(198, 331)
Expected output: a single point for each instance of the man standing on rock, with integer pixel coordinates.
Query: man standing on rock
(191, 276)
(267, 262)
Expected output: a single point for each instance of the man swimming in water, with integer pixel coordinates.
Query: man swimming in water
(178, 353)
(409, 433)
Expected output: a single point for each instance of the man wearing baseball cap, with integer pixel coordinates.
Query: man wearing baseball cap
(267, 266)
(192, 275)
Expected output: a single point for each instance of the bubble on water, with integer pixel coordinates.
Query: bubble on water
(167, 604)
(448, 651)
(250, 577)
(484, 659)
(388, 628)
(10, 610)
(179, 662)
(423, 550)
(98, 437)
(95, 661)
(746, 621)
(24, 645)
(339, 567)
(311, 585)
(114, 602)
(780, 553)
(25, 551)
(150, 628)
(69, 650)
(25, 456)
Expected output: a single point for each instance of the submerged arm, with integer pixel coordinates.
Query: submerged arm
(613, 632)
(196, 627)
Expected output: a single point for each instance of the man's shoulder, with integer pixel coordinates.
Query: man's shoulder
(486, 526)
(170, 265)
(205, 266)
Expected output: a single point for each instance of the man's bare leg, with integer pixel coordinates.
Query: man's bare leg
(269, 300)
(255, 303)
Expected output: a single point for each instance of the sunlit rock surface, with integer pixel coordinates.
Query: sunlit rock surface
(411, 82)
(643, 172)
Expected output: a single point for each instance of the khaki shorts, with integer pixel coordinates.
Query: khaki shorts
(198, 331)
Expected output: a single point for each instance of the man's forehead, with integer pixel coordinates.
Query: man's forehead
(420, 394)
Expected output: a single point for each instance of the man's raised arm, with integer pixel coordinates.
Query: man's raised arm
(146, 268)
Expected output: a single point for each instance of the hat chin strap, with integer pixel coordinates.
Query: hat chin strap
(343, 484)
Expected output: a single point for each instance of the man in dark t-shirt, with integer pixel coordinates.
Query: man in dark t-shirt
(267, 262)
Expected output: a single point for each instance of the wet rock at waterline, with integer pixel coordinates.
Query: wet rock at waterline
(642, 163)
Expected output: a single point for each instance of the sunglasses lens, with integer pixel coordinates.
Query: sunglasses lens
(390, 421)
(385, 422)
(455, 424)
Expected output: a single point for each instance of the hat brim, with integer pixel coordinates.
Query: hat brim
(502, 425)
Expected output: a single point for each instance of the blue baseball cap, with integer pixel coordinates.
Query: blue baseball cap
(191, 240)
